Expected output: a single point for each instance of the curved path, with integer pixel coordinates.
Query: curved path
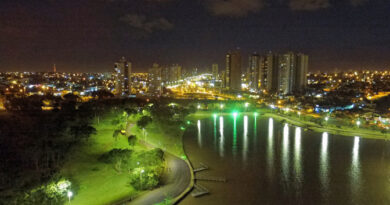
(176, 179)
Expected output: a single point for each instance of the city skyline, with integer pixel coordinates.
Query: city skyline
(87, 36)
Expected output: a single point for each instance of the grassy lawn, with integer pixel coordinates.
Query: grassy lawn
(99, 182)
(168, 138)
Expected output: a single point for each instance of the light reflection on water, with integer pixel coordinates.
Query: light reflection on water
(270, 149)
(199, 134)
(286, 162)
(285, 154)
(324, 164)
(355, 169)
(221, 137)
(245, 148)
(235, 135)
(215, 131)
(297, 159)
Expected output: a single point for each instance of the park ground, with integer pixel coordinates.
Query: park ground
(99, 183)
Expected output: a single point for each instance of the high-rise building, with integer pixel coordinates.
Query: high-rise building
(254, 72)
(175, 73)
(233, 71)
(155, 79)
(214, 69)
(283, 74)
(302, 65)
(165, 75)
(223, 77)
(270, 73)
(122, 76)
(287, 67)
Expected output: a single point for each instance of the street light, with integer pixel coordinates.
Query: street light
(358, 123)
(326, 118)
(140, 176)
(70, 194)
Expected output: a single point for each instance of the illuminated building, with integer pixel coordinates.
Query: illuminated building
(175, 73)
(223, 77)
(122, 74)
(302, 64)
(283, 74)
(155, 79)
(286, 71)
(233, 71)
(254, 71)
(214, 70)
(269, 72)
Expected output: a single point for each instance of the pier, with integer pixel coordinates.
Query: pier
(199, 191)
(201, 168)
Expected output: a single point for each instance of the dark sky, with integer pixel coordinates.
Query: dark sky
(90, 35)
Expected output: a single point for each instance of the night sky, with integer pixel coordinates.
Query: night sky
(90, 35)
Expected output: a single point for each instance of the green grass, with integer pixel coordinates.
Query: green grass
(99, 182)
(168, 138)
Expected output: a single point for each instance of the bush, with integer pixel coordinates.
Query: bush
(120, 158)
(149, 179)
(132, 139)
(153, 157)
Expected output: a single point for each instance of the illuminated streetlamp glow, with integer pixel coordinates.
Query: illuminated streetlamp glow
(221, 106)
(256, 114)
(140, 176)
(246, 105)
(235, 114)
(326, 119)
(198, 106)
(358, 123)
(70, 194)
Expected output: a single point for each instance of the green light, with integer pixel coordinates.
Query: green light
(188, 122)
(256, 114)
(182, 128)
(221, 106)
(246, 104)
(215, 115)
(183, 157)
(235, 114)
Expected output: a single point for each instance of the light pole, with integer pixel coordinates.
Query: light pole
(70, 194)
(140, 176)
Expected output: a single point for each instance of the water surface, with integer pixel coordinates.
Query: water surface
(267, 162)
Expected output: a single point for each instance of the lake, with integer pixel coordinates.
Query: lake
(269, 162)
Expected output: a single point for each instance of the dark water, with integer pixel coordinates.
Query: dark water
(267, 162)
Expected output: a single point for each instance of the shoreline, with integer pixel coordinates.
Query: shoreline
(346, 131)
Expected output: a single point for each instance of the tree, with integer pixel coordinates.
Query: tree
(115, 134)
(132, 139)
(144, 121)
(102, 94)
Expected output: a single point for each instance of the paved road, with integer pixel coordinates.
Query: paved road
(176, 178)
